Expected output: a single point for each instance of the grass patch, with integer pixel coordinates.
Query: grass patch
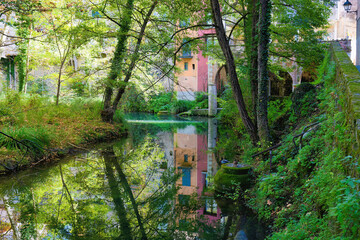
(40, 124)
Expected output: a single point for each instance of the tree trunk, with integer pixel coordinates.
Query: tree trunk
(116, 195)
(135, 57)
(127, 188)
(27, 61)
(263, 55)
(107, 113)
(59, 83)
(117, 61)
(234, 81)
(253, 58)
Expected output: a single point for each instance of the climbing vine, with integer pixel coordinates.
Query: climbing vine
(23, 31)
(263, 75)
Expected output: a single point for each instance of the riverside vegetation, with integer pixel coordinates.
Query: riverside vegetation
(40, 130)
(43, 130)
(307, 189)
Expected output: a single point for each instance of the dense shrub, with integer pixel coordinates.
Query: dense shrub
(133, 100)
(201, 100)
(181, 106)
(160, 102)
(304, 101)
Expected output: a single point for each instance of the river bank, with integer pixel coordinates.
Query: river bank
(34, 130)
(307, 186)
(165, 165)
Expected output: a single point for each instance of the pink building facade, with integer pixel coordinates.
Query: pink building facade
(196, 71)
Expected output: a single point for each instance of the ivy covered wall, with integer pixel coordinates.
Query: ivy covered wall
(348, 78)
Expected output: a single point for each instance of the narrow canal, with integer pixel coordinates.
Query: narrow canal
(154, 184)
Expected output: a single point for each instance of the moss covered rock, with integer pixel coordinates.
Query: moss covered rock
(228, 177)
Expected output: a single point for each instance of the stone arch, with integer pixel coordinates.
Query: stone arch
(288, 83)
(275, 84)
(221, 79)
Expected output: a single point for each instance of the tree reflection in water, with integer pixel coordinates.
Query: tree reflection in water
(114, 193)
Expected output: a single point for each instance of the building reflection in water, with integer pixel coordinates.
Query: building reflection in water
(192, 155)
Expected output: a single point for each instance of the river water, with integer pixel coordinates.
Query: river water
(154, 184)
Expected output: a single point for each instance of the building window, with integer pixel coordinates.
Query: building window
(210, 207)
(193, 66)
(186, 157)
(186, 66)
(186, 48)
(186, 177)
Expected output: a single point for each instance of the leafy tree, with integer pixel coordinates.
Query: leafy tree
(296, 42)
(67, 31)
(118, 71)
(230, 62)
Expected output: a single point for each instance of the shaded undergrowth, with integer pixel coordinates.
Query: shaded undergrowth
(308, 188)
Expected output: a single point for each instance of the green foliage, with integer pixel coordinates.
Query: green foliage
(325, 71)
(278, 109)
(311, 192)
(229, 113)
(133, 100)
(160, 102)
(36, 139)
(181, 106)
(304, 102)
(310, 226)
(347, 210)
(39, 124)
(79, 87)
(201, 100)
(92, 106)
(228, 178)
(300, 38)
(118, 117)
(233, 141)
(38, 86)
(23, 31)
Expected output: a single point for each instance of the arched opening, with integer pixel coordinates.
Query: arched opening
(275, 84)
(280, 85)
(220, 79)
(307, 76)
(288, 83)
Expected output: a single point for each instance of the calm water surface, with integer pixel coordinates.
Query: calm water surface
(154, 184)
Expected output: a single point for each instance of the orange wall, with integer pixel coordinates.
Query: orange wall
(187, 79)
(186, 144)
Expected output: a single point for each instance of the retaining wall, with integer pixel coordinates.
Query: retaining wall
(348, 77)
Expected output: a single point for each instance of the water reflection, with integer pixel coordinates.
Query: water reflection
(156, 184)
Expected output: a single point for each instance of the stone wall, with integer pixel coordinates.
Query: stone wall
(348, 77)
